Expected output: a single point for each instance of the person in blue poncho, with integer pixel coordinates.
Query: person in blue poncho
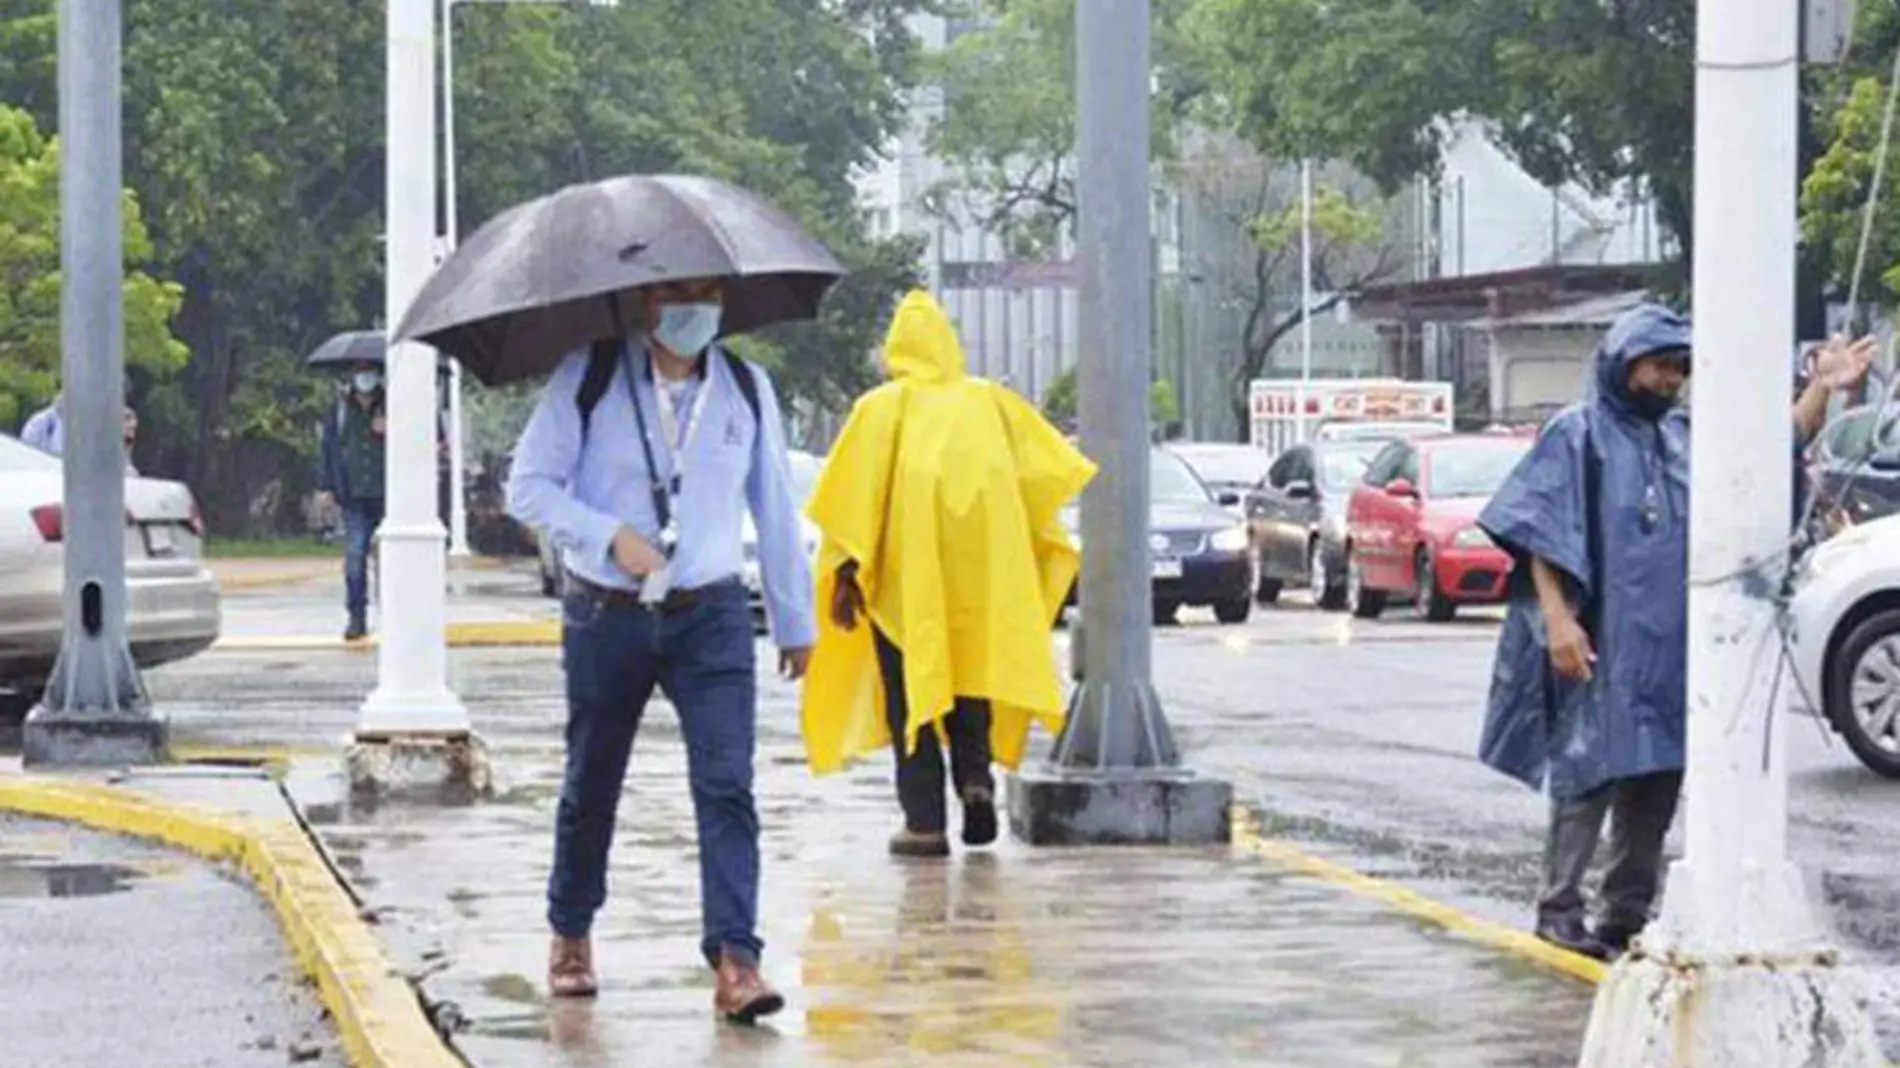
(1589, 687)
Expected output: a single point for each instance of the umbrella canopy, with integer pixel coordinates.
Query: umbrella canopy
(552, 275)
(349, 348)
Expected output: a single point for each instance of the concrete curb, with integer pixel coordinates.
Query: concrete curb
(378, 1015)
(1247, 837)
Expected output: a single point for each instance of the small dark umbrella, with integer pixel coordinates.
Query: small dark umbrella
(550, 276)
(348, 349)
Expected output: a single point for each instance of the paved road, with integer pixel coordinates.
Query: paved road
(116, 953)
(1354, 737)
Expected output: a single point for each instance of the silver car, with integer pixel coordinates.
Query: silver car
(172, 600)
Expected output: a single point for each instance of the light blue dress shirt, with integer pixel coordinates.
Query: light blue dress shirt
(582, 496)
(44, 431)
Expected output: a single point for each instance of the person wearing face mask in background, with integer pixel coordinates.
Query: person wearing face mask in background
(354, 444)
(641, 462)
(1589, 686)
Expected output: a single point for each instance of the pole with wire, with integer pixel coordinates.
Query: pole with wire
(1736, 971)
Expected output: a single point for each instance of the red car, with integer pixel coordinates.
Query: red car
(1411, 526)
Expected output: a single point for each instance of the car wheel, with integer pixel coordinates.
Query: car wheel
(1266, 590)
(1328, 592)
(1431, 604)
(1166, 613)
(1364, 603)
(1863, 693)
(1234, 611)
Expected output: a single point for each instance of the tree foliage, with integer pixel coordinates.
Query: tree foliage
(1059, 403)
(30, 278)
(1835, 193)
(1590, 93)
(254, 137)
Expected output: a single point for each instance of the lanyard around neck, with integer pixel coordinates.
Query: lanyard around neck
(665, 489)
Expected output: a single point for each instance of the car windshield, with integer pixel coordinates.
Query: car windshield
(1474, 470)
(16, 456)
(1345, 466)
(1239, 465)
(1376, 431)
(1171, 481)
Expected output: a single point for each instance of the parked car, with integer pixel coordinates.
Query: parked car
(1231, 471)
(172, 601)
(1411, 526)
(1845, 639)
(1297, 518)
(1853, 470)
(1200, 553)
(805, 468)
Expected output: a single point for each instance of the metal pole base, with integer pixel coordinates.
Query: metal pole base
(95, 714)
(434, 769)
(1154, 806)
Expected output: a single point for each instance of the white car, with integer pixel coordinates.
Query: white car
(805, 468)
(172, 602)
(1845, 642)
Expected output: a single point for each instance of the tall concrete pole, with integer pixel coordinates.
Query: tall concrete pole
(1736, 971)
(412, 700)
(1306, 291)
(1115, 774)
(451, 236)
(95, 710)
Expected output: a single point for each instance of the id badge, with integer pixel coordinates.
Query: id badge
(654, 589)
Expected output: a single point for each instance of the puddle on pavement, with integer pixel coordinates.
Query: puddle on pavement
(516, 988)
(30, 877)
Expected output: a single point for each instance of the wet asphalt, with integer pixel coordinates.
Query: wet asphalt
(115, 953)
(1353, 738)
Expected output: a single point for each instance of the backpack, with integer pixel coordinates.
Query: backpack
(603, 355)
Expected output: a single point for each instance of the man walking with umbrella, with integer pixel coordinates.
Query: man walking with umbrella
(354, 444)
(641, 462)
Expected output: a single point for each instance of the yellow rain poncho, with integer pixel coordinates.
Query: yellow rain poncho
(947, 491)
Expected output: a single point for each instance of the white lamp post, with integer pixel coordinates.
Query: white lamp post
(1736, 971)
(458, 456)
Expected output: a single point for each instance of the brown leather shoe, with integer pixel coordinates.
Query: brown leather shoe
(742, 995)
(909, 843)
(571, 968)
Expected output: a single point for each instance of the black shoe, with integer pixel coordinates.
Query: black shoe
(979, 816)
(1571, 934)
(1615, 938)
(356, 631)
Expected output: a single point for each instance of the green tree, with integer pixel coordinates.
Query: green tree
(254, 136)
(1059, 403)
(1007, 126)
(30, 278)
(1590, 93)
(1834, 194)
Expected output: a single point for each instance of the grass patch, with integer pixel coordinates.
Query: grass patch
(272, 549)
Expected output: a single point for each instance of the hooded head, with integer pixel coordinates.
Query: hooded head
(1643, 361)
(922, 346)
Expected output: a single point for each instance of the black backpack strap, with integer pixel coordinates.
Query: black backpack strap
(748, 383)
(600, 374)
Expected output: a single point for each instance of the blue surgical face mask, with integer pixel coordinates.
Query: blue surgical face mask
(367, 381)
(686, 329)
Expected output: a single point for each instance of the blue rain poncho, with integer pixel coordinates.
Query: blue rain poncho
(1630, 580)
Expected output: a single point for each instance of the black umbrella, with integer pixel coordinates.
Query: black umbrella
(550, 276)
(349, 348)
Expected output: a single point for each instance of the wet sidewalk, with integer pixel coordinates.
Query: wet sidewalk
(1005, 957)
(115, 952)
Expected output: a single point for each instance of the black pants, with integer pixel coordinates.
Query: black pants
(920, 784)
(1640, 811)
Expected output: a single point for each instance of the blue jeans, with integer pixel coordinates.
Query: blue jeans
(704, 659)
(360, 519)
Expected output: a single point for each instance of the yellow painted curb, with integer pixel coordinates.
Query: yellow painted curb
(377, 1013)
(527, 633)
(268, 580)
(1246, 836)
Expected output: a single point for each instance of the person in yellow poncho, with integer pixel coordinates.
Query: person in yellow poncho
(940, 511)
